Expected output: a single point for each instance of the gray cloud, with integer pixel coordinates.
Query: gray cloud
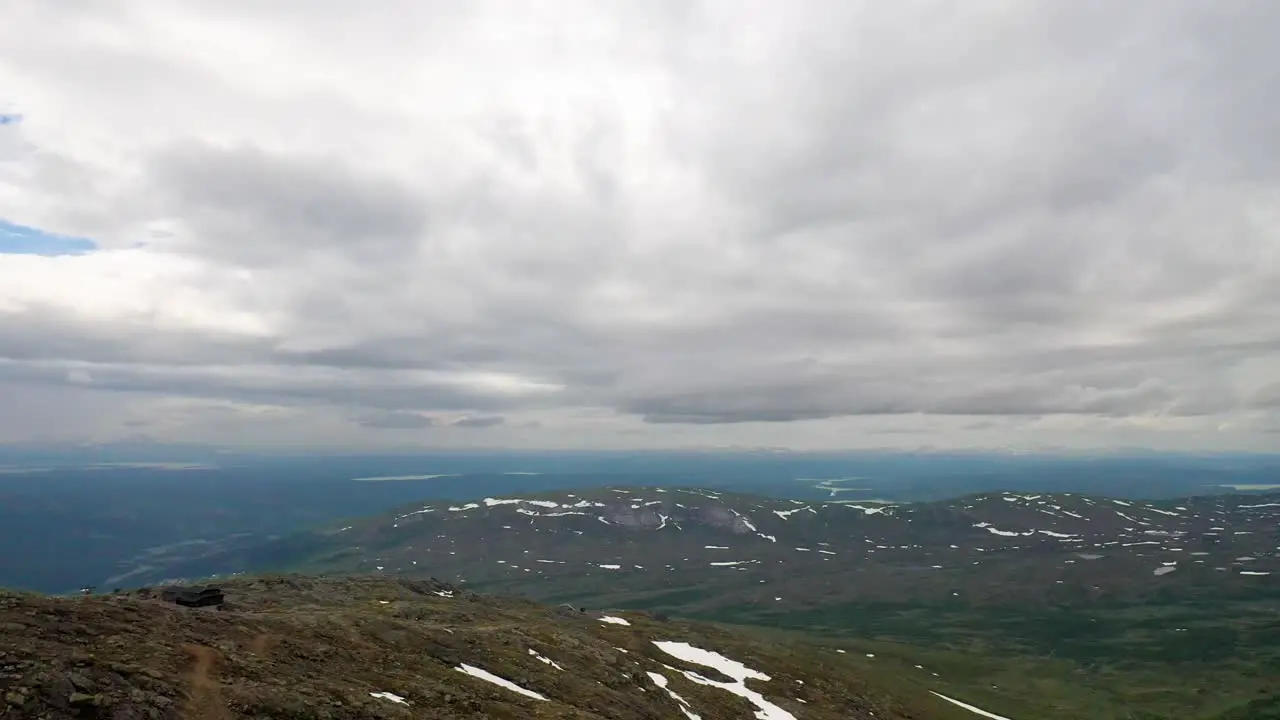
(305, 204)
(811, 398)
(395, 421)
(1267, 397)
(479, 422)
(866, 209)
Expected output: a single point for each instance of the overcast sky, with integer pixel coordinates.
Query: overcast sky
(819, 224)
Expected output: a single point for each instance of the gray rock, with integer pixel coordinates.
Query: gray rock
(80, 682)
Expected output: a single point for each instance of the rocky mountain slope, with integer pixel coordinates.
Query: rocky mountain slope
(360, 647)
(1050, 605)
(646, 544)
(1027, 605)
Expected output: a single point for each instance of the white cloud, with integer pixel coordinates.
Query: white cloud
(643, 223)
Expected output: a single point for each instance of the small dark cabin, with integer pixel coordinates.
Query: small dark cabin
(197, 596)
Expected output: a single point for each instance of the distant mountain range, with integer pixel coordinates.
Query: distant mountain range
(1032, 605)
(110, 518)
(695, 549)
(1052, 587)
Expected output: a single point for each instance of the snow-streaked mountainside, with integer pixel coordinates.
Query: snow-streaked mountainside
(1025, 605)
(311, 649)
(993, 547)
(97, 523)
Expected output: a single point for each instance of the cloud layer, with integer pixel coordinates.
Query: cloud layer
(838, 224)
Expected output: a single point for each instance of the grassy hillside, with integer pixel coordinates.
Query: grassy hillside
(310, 649)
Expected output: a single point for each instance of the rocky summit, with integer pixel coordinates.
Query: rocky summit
(359, 647)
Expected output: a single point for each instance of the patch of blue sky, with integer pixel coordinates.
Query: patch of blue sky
(18, 239)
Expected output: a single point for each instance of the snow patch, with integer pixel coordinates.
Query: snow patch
(546, 660)
(970, 708)
(1003, 533)
(869, 510)
(487, 676)
(661, 681)
(732, 668)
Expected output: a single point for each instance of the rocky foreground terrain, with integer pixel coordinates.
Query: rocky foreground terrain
(360, 647)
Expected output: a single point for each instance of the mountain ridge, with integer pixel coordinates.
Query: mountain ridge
(1114, 548)
(999, 588)
(1075, 606)
(376, 647)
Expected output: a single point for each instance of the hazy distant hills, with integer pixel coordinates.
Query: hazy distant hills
(79, 515)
